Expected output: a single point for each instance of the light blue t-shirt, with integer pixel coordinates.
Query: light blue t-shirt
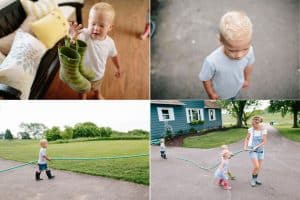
(227, 75)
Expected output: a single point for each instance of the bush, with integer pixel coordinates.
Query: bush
(8, 135)
(168, 135)
(193, 130)
(138, 132)
(67, 133)
(197, 122)
(87, 129)
(53, 134)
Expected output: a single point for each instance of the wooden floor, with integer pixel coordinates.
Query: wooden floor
(133, 52)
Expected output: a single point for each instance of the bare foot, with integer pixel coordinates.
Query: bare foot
(99, 95)
(83, 96)
(143, 36)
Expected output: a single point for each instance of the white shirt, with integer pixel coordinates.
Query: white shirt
(97, 53)
(162, 147)
(42, 153)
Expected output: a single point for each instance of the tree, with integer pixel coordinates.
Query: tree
(8, 135)
(67, 133)
(236, 108)
(53, 133)
(86, 129)
(35, 130)
(286, 106)
(24, 135)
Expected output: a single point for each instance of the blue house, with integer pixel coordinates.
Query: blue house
(181, 116)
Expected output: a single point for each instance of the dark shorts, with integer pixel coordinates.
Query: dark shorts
(43, 167)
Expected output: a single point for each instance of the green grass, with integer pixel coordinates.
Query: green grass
(215, 139)
(290, 133)
(131, 169)
(268, 117)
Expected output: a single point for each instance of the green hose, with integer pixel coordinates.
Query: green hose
(61, 158)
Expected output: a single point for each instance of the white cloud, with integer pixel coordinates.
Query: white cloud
(119, 115)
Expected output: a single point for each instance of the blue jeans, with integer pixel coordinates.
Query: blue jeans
(42, 167)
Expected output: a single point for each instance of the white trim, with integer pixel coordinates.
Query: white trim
(189, 114)
(213, 117)
(161, 117)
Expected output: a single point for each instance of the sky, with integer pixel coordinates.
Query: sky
(119, 115)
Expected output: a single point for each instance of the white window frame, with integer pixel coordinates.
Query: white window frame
(161, 118)
(213, 116)
(190, 117)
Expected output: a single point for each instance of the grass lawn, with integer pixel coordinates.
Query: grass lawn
(290, 133)
(130, 169)
(215, 139)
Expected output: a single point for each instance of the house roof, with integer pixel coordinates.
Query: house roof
(211, 104)
(168, 102)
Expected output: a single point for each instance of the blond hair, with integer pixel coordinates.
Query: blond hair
(224, 146)
(105, 8)
(259, 118)
(42, 141)
(235, 25)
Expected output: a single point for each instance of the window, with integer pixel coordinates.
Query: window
(165, 114)
(193, 114)
(212, 114)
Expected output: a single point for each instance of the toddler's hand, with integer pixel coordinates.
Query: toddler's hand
(246, 84)
(117, 74)
(75, 30)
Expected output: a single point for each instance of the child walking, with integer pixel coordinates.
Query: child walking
(255, 140)
(100, 46)
(163, 149)
(228, 69)
(229, 173)
(42, 162)
(222, 170)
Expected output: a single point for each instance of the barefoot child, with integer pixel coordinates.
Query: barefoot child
(163, 149)
(222, 170)
(42, 162)
(228, 69)
(229, 173)
(100, 46)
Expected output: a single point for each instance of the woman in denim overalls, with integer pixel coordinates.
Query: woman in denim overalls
(255, 140)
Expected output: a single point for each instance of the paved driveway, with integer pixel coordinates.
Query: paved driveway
(187, 32)
(176, 179)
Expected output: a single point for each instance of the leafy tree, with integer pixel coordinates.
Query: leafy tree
(86, 129)
(138, 132)
(286, 106)
(24, 135)
(53, 134)
(236, 108)
(8, 135)
(35, 130)
(67, 133)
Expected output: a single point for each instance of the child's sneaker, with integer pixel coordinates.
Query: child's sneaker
(258, 182)
(221, 182)
(226, 185)
(253, 182)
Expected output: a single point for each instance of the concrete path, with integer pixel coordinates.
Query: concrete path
(20, 184)
(176, 179)
(187, 32)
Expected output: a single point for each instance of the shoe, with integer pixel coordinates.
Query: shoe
(48, 172)
(253, 182)
(221, 182)
(226, 185)
(37, 176)
(258, 182)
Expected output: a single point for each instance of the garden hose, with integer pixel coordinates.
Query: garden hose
(65, 158)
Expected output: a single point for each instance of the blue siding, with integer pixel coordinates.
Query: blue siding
(180, 122)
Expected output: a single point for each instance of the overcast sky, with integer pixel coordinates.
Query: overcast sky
(119, 115)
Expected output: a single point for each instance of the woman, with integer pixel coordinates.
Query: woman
(255, 140)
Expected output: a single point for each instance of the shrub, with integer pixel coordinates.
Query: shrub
(197, 122)
(53, 134)
(67, 133)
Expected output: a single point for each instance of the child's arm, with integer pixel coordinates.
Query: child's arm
(246, 141)
(247, 74)
(210, 90)
(116, 62)
(47, 158)
(222, 165)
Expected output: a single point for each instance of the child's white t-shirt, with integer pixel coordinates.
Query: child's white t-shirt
(97, 53)
(42, 159)
(162, 147)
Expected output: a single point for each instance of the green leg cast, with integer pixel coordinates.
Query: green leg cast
(80, 46)
(69, 70)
